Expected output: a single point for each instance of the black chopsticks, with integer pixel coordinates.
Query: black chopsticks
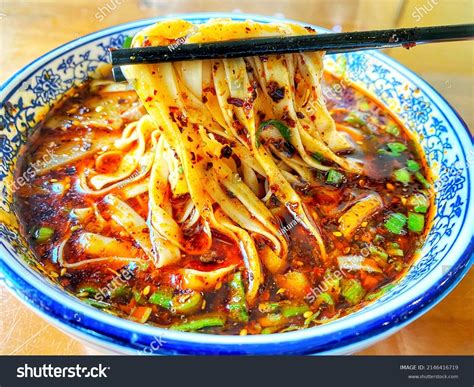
(330, 42)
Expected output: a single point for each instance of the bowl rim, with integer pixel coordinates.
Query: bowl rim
(303, 341)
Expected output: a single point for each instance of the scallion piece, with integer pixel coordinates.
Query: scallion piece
(396, 148)
(96, 303)
(379, 293)
(237, 306)
(325, 297)
(282, 128)
(127, 42)
(402, 175)
(293, 310)
(43, 234)
(392, 129)
(413, 166)
(317, 156)
(378, 252)
(334, 177)
(395, 223)
(419, 202)
(416, 222)
(187, 303)
(352, 291)
(162, 298)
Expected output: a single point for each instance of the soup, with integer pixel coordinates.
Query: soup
(238, 196)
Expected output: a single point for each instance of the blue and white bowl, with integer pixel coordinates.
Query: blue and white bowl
(444, 260)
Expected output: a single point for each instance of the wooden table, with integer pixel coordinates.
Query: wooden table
(31, 28)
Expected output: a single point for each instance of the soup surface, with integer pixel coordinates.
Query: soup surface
(92, 218)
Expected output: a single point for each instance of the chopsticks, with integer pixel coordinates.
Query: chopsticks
(332, 43)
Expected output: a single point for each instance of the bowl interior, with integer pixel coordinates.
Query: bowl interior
(441, 133)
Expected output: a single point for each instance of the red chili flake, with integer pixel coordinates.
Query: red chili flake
(204, 99)
(299, 115)
(226, 151)
(147, 42)
(148, 99)
(235, 101)
(155, 91)
(198, 158)
(310, 29)
(409, 45)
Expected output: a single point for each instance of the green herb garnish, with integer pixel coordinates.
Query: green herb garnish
(43, 234)
(282, 128)
(416, 222)
(402, 175)
(334, 177)
(395, 223)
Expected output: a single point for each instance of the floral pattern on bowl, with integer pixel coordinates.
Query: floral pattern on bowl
(29, 94)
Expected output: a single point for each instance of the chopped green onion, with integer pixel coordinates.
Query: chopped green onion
(237, 305)
(180, 169)
(269, 330)
(396, 252)
(352, 291)
(88, 289)
(395, 223)
(127, 42)
(413, 166)
(354, 119)
(122, 291)
(325, 297)
(422, 179)
(317, 156)
(139, 298)
(341, 62)
(97, 304)
(162, 297)
(396, 148)
(416, 222)
(402, 175)
(200, 322)
(334, 177)
(364, 106)
(393, 130)
(379, 293)
(282, 128)
(43, 234)
(294, 310)
(419, 202)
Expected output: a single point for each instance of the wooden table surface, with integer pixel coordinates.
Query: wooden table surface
(31, 28)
